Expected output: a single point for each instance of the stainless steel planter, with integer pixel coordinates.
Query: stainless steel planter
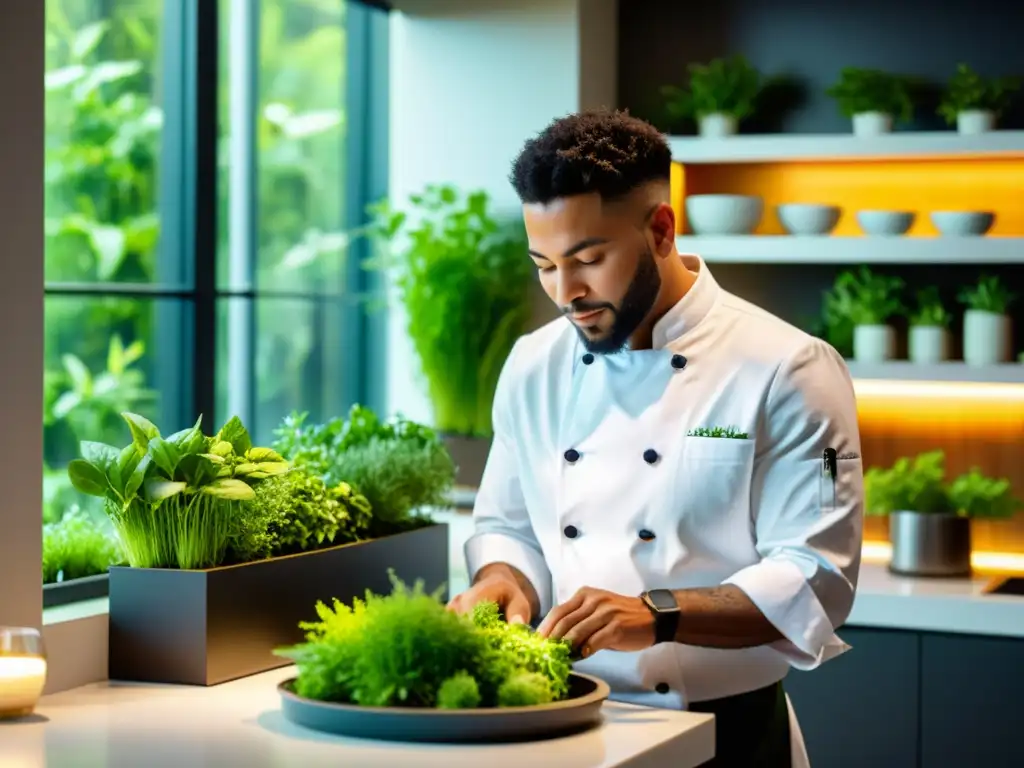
(926, 544)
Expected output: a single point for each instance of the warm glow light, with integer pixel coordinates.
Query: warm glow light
(940, 390)
(21, 684)
(1003, 562)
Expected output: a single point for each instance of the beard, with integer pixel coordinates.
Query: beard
(634, 308)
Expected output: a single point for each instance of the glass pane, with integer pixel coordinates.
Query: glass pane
(100, 361)
(103, 135)
(296, 148)
(296, 363)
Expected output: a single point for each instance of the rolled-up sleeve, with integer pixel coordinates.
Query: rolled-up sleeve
(809, 527)
(503, 532)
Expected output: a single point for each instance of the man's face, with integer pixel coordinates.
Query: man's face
(596, 263)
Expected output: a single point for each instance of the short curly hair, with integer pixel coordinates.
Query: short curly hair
(607, 152)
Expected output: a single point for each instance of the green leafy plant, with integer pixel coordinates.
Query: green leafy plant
(400, 466)
(464, 280)
(727, 86)
(726, 432)
(872, 90)
(406, 649)
(930, 310)
(175, 501)
(967, 90)
(919, 485)
(77, 546)
(987, 295)
(305, 513)
(863, 298)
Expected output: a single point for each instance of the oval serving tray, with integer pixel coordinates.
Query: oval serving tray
(579, 711)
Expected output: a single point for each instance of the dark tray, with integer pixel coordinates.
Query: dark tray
(580, 711)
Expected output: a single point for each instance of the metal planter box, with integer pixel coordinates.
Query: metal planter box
(208, 627)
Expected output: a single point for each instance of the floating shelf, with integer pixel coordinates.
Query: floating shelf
(795, 147)
(902, 370)
(791, 249)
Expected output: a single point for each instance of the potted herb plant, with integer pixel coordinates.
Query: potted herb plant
(868, 301)
(873, 99)
(464, 282)
(974, 103)
(930, 519)
(721, 93)
(987, 326)
(225, 542)
(929, 328)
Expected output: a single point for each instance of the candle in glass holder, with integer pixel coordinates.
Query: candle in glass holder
(22, 670)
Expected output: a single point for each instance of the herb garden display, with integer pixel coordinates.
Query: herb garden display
(228, 543)
(376, 667)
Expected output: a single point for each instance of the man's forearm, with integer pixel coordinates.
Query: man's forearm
(722, 617)
(508, 571)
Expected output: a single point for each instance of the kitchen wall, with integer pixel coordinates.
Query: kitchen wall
(470, 82)
(812, 42)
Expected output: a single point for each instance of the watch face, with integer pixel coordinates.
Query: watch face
(662, 600)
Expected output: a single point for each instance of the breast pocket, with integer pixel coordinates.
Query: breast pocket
(712, 480)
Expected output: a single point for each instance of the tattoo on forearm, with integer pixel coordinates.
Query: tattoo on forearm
(722, 617)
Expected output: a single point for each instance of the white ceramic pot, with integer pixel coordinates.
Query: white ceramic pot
(874, 343)
(717, 125)
(974, 121)
(986, 337)
(807, 218)
(928, 344)
(872, 124)
(885, 223)
(723, 214)
(963, 223)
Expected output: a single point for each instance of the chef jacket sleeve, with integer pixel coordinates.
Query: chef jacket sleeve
(809, 529)
(503, 532)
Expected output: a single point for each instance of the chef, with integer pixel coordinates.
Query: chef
(675, 482)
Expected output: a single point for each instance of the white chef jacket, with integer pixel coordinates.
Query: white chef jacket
(593, 480)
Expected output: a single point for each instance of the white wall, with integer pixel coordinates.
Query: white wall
(471, 80)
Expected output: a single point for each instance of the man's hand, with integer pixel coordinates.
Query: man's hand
(594, 619)
(502, 588)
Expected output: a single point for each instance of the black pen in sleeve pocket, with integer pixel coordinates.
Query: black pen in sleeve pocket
(827, 482)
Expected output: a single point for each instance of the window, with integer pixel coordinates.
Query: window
(200, 177)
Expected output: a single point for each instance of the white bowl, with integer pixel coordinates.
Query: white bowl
(808, 218)
(724, 214)
(963, 223)
(885, 222)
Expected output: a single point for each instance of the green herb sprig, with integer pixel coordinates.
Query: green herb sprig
(967, 90)
(872, 90)
(77, 546)
(989, 294)
(726, 432)
(864, 298)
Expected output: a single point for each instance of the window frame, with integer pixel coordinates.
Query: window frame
(189, 225)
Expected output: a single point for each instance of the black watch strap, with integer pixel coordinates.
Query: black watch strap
(662, 604)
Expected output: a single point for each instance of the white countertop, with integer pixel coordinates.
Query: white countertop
(240, 724)
(934, 605)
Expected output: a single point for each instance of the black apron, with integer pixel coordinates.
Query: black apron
(751, 729)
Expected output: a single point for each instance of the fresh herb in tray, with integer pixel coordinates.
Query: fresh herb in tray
(407, 650)
(400, 466)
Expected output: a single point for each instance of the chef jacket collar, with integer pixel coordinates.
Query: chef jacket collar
(691, 309)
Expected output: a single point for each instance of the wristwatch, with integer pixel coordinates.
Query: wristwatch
(662, 603)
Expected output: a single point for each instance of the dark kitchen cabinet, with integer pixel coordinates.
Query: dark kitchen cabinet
(971, 710)
(861, 709)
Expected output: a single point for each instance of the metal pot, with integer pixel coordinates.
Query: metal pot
(926, 544)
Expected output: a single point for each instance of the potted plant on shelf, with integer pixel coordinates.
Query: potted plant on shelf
(464, 282)
(873, 99)
(721, 93)
(974, 103)
(987, 327)
(868, 301)
(930, 519)
(929, 328)
(226, 545)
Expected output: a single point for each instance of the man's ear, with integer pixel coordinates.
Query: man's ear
(663, 229)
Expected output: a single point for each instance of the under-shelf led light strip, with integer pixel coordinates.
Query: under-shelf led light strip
(939, 390)
(881, 551)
